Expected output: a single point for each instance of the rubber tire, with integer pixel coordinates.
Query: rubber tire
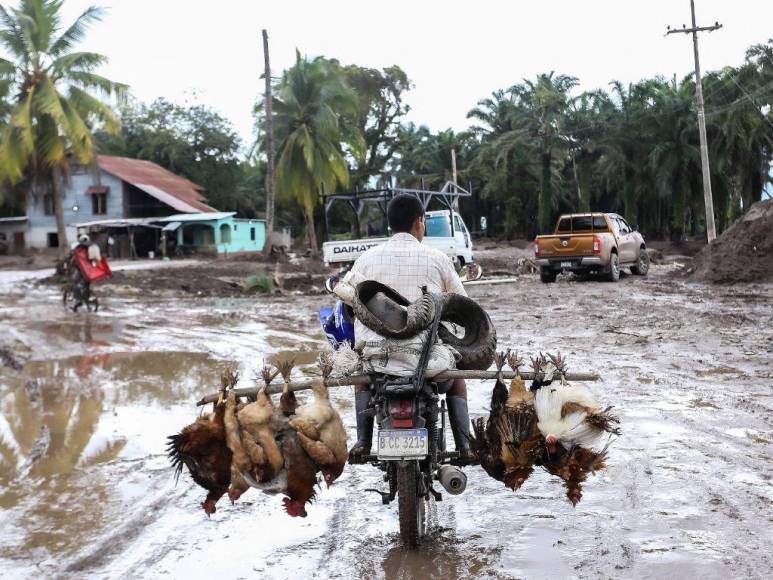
(479, 344)
(642, 265)
(419, 313)
(411, 506)
(547, 276)
(613, 275)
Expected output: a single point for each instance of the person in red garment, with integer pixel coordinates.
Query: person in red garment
(84, 265)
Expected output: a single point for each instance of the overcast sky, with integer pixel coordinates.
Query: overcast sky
(455, 52)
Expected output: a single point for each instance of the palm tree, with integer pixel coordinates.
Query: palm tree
(311, 96)
(539, 124)
(54, 102)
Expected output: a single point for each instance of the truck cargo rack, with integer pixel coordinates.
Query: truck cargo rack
(448, 197)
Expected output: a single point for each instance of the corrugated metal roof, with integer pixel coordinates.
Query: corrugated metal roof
(118, 223)
(173, 190)
(197, 217)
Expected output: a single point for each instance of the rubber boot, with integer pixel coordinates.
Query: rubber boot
(459, 417)
(364, 427)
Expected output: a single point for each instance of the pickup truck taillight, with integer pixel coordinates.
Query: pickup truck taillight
(401, 411)
(596, 245)
(536, 248)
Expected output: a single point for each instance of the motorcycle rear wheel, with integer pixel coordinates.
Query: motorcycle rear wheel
(411, 505)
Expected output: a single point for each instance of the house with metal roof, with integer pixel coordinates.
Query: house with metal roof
(114, 188)
(218, 231)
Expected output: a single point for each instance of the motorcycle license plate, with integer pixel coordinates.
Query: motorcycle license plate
(567, 264)
(403, 444)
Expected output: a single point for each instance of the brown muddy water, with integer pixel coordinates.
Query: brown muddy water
(86, 490)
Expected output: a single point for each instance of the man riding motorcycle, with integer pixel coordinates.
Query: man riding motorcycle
(406, 265)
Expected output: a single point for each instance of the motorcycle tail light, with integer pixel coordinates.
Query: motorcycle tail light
(401, 411)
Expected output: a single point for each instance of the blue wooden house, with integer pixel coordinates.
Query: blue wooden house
(137, 203)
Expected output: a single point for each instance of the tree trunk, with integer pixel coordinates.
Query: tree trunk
(545, 194)
(56, 194)
(628, 198)
(311, 233)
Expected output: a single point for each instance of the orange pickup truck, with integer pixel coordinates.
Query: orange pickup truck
(591, 243)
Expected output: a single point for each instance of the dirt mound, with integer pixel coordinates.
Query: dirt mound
(743, 253)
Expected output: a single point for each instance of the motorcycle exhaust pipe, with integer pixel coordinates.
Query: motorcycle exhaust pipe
(452, 479)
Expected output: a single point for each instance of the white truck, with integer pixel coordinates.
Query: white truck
(451, 238)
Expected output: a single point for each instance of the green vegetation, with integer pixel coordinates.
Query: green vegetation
(260, 283)
(534, 150)
(50, 107)
(538, 149)
(195, 142)
(312, 102)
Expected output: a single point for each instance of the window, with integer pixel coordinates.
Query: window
(99, 203)
(582, 223)
(624, 227)
(225, 234)
(565, 225)
(52, 240)
(458, 224)
(252, 234)
(599, 223)
(615, 225)
(48, 205)
(438, 226)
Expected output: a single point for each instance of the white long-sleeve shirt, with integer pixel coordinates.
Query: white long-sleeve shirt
(405, 265)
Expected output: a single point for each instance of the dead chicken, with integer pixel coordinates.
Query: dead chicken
(288, 402)
(202, 448)
(570, 415)
(321, 432)
(574, 466)
(509, 443)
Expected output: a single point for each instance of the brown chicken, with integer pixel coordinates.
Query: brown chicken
(301, 472)
(321, 432)
(574, 466)
(202, 448)
(508, 444)
(288, 402)
(251, 438)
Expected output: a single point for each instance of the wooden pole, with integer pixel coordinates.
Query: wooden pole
(269, 148)
(711, 230)
(366, 379)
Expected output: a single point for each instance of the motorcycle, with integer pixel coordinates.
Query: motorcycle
(410, 441)
(77, 272)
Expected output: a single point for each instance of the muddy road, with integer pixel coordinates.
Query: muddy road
(87, 400)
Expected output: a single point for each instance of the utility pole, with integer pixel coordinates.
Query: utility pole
(453, 176)
(453, 165)
(711, 230)
(269, 147)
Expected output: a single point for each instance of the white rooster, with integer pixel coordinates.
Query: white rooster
(570, 415)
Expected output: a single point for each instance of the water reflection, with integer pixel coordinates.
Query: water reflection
(61, 434)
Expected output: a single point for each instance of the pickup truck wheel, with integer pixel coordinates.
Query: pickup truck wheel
(642, 265)
(547, 276)
(613, 275)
